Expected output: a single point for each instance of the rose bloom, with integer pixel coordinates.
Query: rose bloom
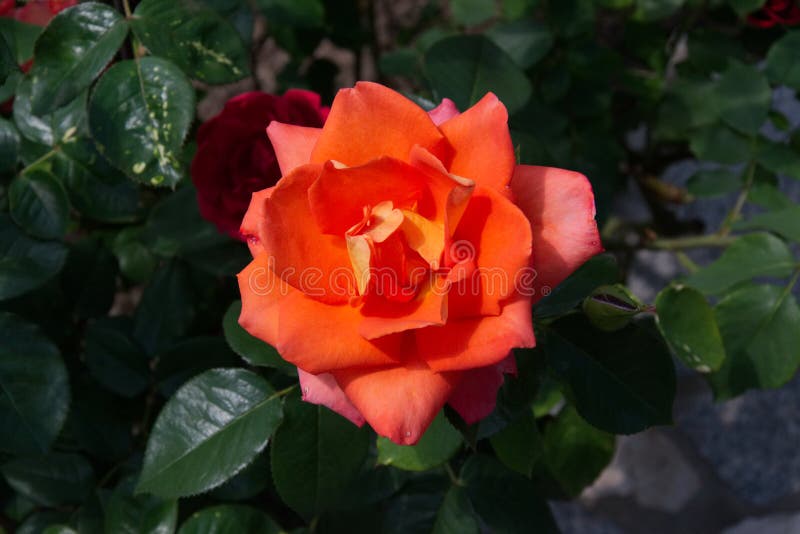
(38, 12)
(396, 260)
(785, 12)
(234, 158)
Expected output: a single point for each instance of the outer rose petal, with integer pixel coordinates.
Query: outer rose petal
(484, 235)
(323, 389)
(253, 219)
(398, 402)
(476, 394)
(469, 343)
(445, 111)
(314, 263)
(370, 121)
(482, 144)
(292, 144)
(313, 336)
(560, 207)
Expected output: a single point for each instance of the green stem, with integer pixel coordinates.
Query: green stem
(686, 261)
(42, 159)
(698, 241)
(135, 44)
(453, 477)
(725, 228)
(283, 392)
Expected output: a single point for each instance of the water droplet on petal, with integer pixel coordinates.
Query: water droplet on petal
(305, 390)
(408, 433)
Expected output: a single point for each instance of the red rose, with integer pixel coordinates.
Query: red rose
(396, 260)
(38, 12)
(234, 156)
(786, 12)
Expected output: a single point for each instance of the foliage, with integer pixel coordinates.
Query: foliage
(130, 398)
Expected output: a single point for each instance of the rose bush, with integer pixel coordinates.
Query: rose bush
(396, 260)
(234, 157)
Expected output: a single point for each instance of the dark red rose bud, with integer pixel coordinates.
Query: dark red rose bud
(234, 156)
(784, 12)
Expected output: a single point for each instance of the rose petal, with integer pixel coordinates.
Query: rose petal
(398, 402)
(312, 262)
(469, 343)
(482, 146)
(313, 336)
(371, 121)
(476, 394)
(322, 389)
(560, 207)
(292, 144)
(339, 196)
(495, 234)
(251, 228)
(383, 317)
(445, 111)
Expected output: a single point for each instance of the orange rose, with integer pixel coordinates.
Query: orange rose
(396, 260)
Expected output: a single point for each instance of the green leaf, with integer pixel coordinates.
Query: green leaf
(471, 12)
(525, 41)
(455, 515)
(743, 7)
(52, 128)
(504, 500)
(74, 48)
(437, 445)
(31, 416)
(96, 189)
(743, 97)
(466, 67)
(715, 182)
(231, 519)
(315, 454)
(779, 158)
(37, 522)
(115, 360)
(190, 357)
(414, 509)
(783, 60)
(39, 204)
(136, 261)
(247, 483)
(166, 309)
(519, 445)
(139, 114)
(202, 43)
(750, 256)
(719, 143)
(766, 193)
(209, 431)
(297, 13)
(575, 452)
(51, 480)
(621, 382)
(686, 107)
(253, 350)
(9, 145)
(759, 326)
(20, 36)
(140, 514)
(175, 227)
(687, 322)
(596, 271)
(785, 222)
(8, 60)
(26, 263)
